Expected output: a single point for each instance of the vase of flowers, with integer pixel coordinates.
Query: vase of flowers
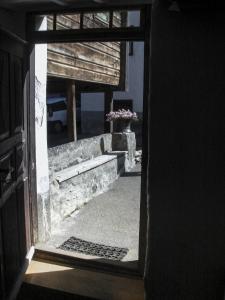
(123, 118)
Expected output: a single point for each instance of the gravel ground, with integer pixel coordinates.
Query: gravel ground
(111, 218)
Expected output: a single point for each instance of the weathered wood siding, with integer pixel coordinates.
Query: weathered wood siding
(90, 62)
(93, 62)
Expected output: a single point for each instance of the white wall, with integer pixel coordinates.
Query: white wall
(41, 138)
(134, 77)
(40, 115)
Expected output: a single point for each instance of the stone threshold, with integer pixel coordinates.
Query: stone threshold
(85, 166)
(83, 282)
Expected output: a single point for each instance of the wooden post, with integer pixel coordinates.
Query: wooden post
(71, 111)
(108, 126)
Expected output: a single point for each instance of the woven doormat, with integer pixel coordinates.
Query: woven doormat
(93, 249)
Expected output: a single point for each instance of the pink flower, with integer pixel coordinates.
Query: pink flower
(121, 114)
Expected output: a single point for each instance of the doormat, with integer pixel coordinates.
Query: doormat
(89, 248)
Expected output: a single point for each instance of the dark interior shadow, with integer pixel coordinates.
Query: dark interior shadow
(36, 292)
(131, 174)
(102, 145)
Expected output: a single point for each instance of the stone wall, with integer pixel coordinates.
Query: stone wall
(89, 167)
(70, 154)
(125, 142)
(71, 194)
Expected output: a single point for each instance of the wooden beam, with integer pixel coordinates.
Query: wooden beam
(87, 35)
(108, 126)
(87, 9)
(71, 111)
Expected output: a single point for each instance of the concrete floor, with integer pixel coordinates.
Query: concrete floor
(111, 218)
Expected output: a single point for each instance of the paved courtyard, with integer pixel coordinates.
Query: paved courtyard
(111, 218)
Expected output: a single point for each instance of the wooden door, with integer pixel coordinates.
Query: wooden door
(13, 164)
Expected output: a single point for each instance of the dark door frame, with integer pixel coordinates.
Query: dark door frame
(127, 35)
(19, 139)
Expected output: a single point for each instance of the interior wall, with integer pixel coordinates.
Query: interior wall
(13, 21)
(187, 127)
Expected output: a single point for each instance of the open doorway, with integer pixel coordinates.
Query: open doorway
(88, 162)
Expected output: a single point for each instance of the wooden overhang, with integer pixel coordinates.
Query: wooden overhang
(91, 62)
(95, 62)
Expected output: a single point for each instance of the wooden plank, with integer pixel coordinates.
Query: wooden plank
(68, 21)
(32, 149)
(87, 35)
(85, 52)
(86, 65)
(55, 69)
(71, 111)
(85, 62)
(107, 48)
(86, 8)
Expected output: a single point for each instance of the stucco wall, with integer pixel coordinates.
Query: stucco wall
(134, 77)
(41, 139)
(134, 71)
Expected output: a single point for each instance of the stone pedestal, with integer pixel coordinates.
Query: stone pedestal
(125, 142)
